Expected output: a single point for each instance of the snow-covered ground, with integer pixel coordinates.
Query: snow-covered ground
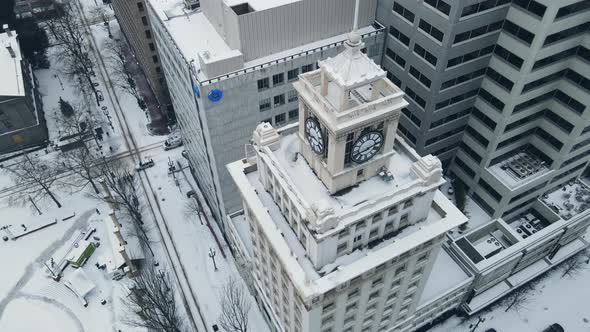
(554, 299)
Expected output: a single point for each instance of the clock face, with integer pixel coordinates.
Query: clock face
(366, 146)
(314, 135)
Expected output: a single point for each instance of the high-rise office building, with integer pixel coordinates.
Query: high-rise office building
(343, 222)
(135, 25)
(230, 66)
(502, 85)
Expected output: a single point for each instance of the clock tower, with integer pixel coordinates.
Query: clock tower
(349, 112)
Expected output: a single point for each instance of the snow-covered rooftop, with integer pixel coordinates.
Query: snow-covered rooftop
(569, 200)
(446, 275)
(195, 36)
(259, 5)
(11, 83)
(312, 188)
(520, 169)
(442, 216)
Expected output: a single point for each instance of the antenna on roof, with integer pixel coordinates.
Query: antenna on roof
(355, 26)
(354, 39)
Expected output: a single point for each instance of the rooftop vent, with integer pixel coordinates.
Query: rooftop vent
(243, 8)
(191, 4)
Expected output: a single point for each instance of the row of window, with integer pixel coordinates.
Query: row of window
(415, 97)
(395, 57)
(461, 37)
(482, 6)
(279, 79)
(567, 73)
(567, 33)
(280, 119)
(416, 120)
(278, 100)
(477, 136)
(407, 134)
(451, 118)
(486, 120)
(444, 136)
(404, 12)
(420, 77)
(548, 138)
(500, 79)
(470, 56)
(431, 30)
(518, 32)
(456, 99)
(462, 79)
(580, 51)
(531, 6)
(573, 8)
(440, 5)
(568, 101)
(510, 57)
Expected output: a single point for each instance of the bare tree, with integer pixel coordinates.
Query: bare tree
(235, 306)
(574, 265)
(192, 209)
(69, 32)
(518, 298)
(100, 13)
(152, 303)
(34, 177)
(123, 75)
(85, 168)
(123, 194)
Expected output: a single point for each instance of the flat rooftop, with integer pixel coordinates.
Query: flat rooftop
(194, 34)
(570, 200)
(313, 189)
(258, 5)
(12, 83)
(519, 169)
(446, 275)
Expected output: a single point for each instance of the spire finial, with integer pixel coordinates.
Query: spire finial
(356, 16)
(353, 37)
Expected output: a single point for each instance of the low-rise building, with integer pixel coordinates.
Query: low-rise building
(506, 254)
(22, 121)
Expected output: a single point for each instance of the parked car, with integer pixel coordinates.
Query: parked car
(99, 94)
(190, 193)
(147, 163)
(554, 328)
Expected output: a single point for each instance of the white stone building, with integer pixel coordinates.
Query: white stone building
(342, 221)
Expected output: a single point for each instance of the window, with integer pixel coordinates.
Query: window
(567, 33)
(580, 51)
(462, 79)
(450, 118)
(491, 191)
(415, 97)
(140, 6)
(264, 105)
(393, 56)
(400, 270)
(278, 79)
(431, 30)
(404, 131)
(500, 79)
(360, 172)
(155, 58)
(293, 74)
(263, 84)
(456, 99)
(573, 8)
(420, 77)
(279, 100)
(440, 5)
(482, 6)
(392, 210)
(493, 101)
(518, 32)
(292, 96)
(144, 20)
(477, 136)
(306, 68)
(510, 57)
(293, 114)
(152, 47)
(486, 120)
(158, 69)
(403, 12)
(470, 56)
(461, 37)
(395, 33)
(425, 54)
(148, 34)
(531, 6)
(412, 117)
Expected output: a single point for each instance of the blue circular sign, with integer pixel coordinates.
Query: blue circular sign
(215, 95)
